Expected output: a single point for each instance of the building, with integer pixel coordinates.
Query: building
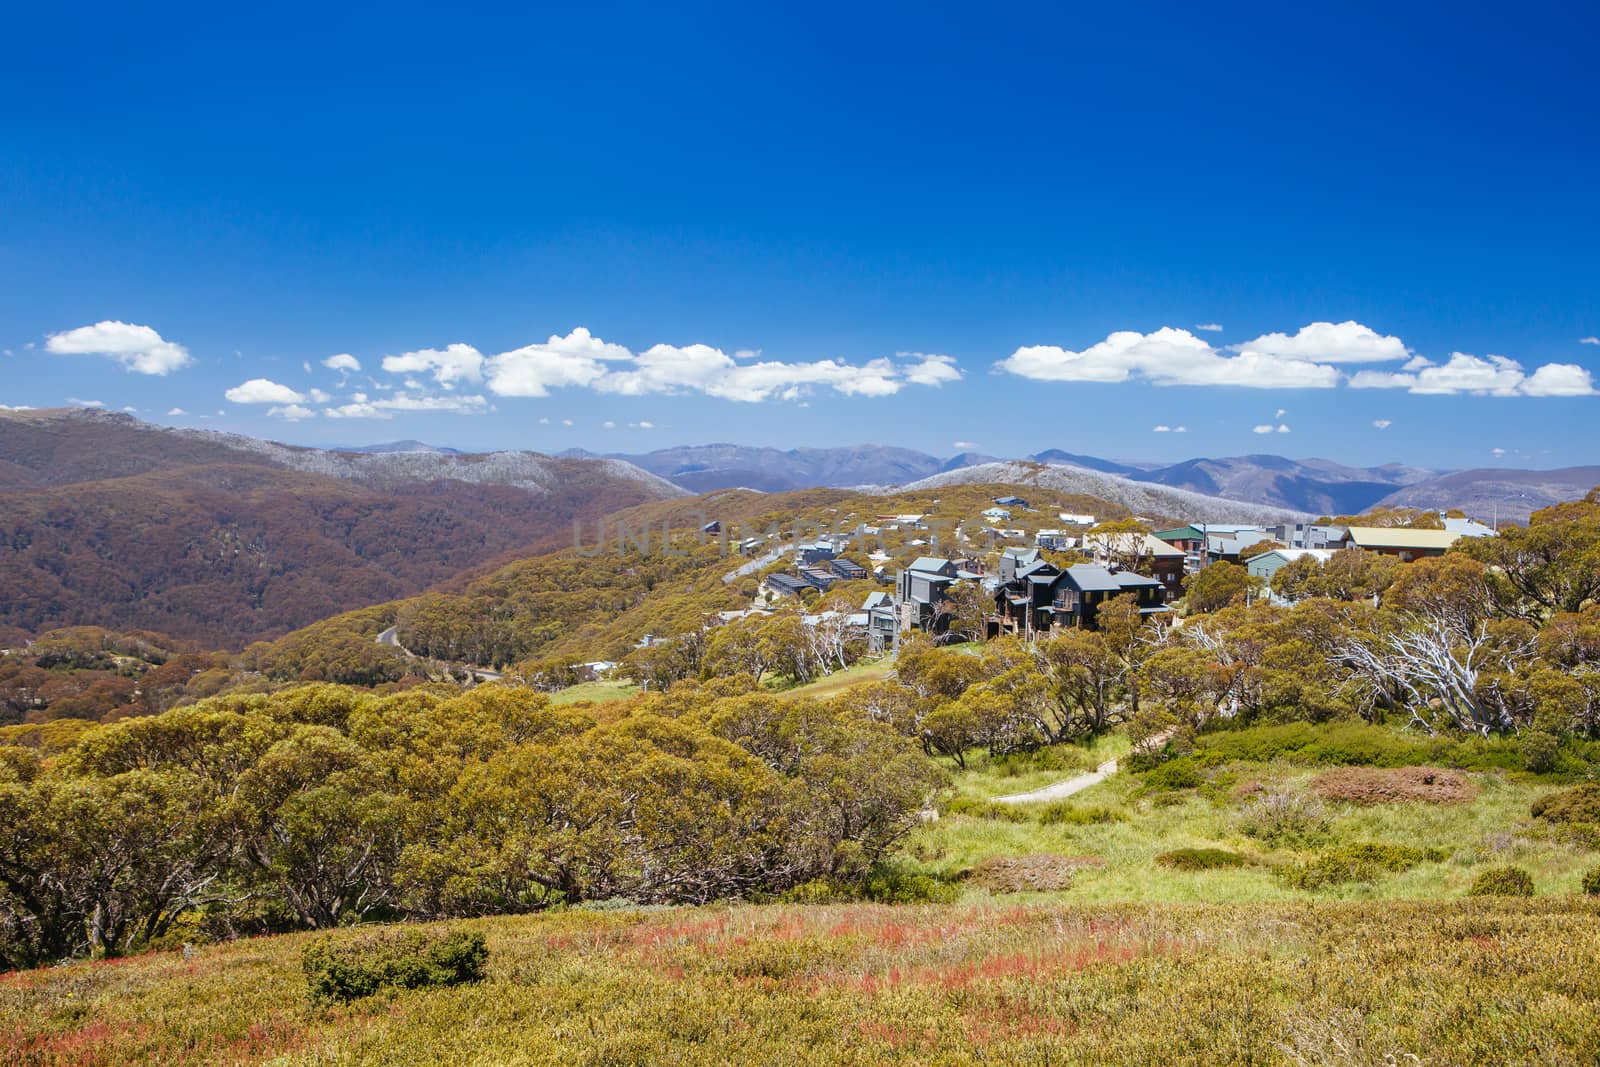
(1072, 518)
(1141, 551)
(847, 569)
(1055, 540)
(1267, 564)
(1011, 501)
(1229, 547)
(995, 514)
(786, 584)
(883, 623)
(1467, 528)
(1401, 541)
(1305, 534)
(919, 589)
(1041, 598)
(819, 551)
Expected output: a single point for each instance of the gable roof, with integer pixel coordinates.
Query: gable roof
(932, 565)
(1400, 537)
(1093, 578)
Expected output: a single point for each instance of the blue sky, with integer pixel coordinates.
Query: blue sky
(916, 225)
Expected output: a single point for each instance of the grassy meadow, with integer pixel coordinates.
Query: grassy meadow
(1483, 982)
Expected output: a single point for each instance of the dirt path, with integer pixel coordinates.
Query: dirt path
(1078, 782)
(1063, 789)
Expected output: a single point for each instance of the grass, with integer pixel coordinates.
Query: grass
(1022, 772)
(594, 692)
(834, 684)
(1494, 828)
(1461, 982)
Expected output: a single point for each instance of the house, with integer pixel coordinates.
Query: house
(1055, 540)
(1305, 534)
(1468, 528)
(1143, 551)
(1072, 518)
(995, 514)
(819, 578)
(750, 546)
(1042, 598)
(1192, 538)
(1401, 541)
(920, 587)
(819, 551)
(711, 528)
(847, 569)
(883, 623)
(786, 584)
(1229, 547)
(1015, 559)
(1011, 502)
(1267, 564)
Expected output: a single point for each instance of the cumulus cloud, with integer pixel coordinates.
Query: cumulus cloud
(581, 360)
(964, 445)
(138, 348)
(292, 412)
(1209, 327)
(1161, 429)
(1328, 342)
(1382, 424)
(1167, 356)
(1482, 376)
(344, 362)
(263, 391)
(1589, 340)
(79, 403)
(448, 366)
(1263, 428)
(176, 411)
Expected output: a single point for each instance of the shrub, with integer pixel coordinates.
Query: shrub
(1363, 862)
(1181, 773)
(1374, 785)
(1579, 804)
(341, 968)
(1541, 750)
(1200, 859)
(1063, 812)
(893, 883)
(987, 809)
(1502, 882)
(1591, 881)
(1284, 818)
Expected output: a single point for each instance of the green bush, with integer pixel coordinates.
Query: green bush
(1579, 804)
(1541, 749)
(885, 883)
(1502, 882)
(1200, 859)
(1362, 862)
(1180, 773)
(975, 808)
(1338, 744)
(1591, 881)
(1065, 813)
(347, 968)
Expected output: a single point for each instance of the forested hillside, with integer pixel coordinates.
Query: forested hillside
(109, 522)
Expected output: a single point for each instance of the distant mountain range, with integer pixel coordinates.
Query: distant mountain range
(1306, 486)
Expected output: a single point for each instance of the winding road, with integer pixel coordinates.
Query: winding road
(1078, 782)
(391, 638)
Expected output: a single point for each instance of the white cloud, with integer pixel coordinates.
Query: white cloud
(1589, 340)
(608, 424)
(343, 362)
(1282, 428)
(1161, 429)
(1382, 424)
(566, 422)
(643, 425)
(1482, 376)
(15, 407)
(138, 348)
(1263, 428)
(176, 411)
(1209, 327)
(578, 359)
(362, 406)
(931, 370)
(292, 412)
(263, 391)
(448, 365)
(1167, 356)
(1497, 451)
(964, 445)
(581, 360)
(1180, 429)
(1329, 342)
(318, 396)
(77, 403)
(1559, 379)
(1281, 412)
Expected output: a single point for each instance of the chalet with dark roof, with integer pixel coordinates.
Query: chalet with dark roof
(1040, 598)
